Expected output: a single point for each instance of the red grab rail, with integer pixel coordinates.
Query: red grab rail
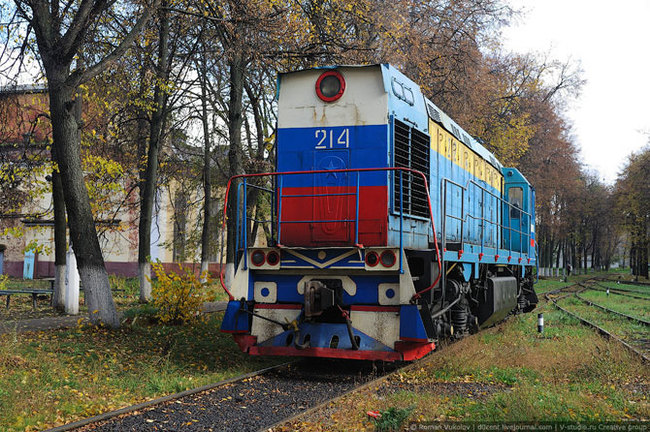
(343, 170)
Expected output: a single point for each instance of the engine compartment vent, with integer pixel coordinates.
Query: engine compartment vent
(411, 151)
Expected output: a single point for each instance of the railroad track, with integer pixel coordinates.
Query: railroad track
(261, 400)
(267, 398)
(626, 282)
(629, 317)
(575, 291)
(622, 292)
(256, 401)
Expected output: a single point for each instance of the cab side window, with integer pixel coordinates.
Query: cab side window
(515, 196)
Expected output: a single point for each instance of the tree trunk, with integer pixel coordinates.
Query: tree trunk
(151, 172)
(65, 131)
(60, 239)
(643, 255)
(574, 264)
(207, 179)
(235, 119)
(594, 249)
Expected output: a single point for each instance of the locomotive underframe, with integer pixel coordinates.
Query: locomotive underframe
(327, 320)
(468, 303)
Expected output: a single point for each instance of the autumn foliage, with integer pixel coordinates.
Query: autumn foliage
(178, 295)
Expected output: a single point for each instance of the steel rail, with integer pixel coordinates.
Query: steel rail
(588, 323)
(407, 367)
(619, 292)
(150, 403)
(631, 318)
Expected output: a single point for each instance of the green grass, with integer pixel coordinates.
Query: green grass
(635, 290)
(507, 373)
(627, 305)
(634, 333)
(546, 285)
(55, 377)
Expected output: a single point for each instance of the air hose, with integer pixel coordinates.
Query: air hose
(348, 323)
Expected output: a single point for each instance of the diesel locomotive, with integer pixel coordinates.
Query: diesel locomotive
(390, 226)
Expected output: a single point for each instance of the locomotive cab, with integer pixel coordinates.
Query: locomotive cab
(518, 212)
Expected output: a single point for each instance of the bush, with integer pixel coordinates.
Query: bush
(177, 296)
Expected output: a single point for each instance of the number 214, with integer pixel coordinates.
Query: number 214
(326, 140)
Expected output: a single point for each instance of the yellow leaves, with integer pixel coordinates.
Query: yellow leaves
(177, 295)
(17, 232)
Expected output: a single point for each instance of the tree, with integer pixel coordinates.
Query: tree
(150, 174)
(61, 32)
(633, 204)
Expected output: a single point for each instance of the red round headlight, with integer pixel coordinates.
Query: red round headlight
(273, 258)
(330, 86)
(372, 259)
(387, 258)
(258, 258)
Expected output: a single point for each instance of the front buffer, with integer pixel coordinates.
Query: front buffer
(339, 303)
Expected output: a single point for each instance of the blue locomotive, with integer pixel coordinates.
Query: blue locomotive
(390, 226)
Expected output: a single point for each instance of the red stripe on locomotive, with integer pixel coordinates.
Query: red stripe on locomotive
(373, 216)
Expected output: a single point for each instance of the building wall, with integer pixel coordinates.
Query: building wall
(24, 130)
(119, 244)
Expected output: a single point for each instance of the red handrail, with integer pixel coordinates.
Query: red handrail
(416, 172)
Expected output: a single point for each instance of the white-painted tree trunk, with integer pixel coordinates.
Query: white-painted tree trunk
(101, 308)
(204, 271)
(58, 296)
(229, 275)
(71, 298)
(144, 273)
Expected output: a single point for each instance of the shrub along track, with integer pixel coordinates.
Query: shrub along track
(254, 401)
(574, 291)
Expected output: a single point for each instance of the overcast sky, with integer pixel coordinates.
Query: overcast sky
(612, 117)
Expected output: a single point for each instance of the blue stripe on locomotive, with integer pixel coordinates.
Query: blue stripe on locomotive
(339, 147)
(287, 292)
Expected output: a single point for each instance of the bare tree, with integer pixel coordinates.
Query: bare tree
(150, 174)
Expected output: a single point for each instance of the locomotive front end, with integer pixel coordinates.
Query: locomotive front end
(334, 281)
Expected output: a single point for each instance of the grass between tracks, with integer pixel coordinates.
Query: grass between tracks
(508, 373)
(635, 290)
(627, 305)
(632, 332)
(55, 377)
